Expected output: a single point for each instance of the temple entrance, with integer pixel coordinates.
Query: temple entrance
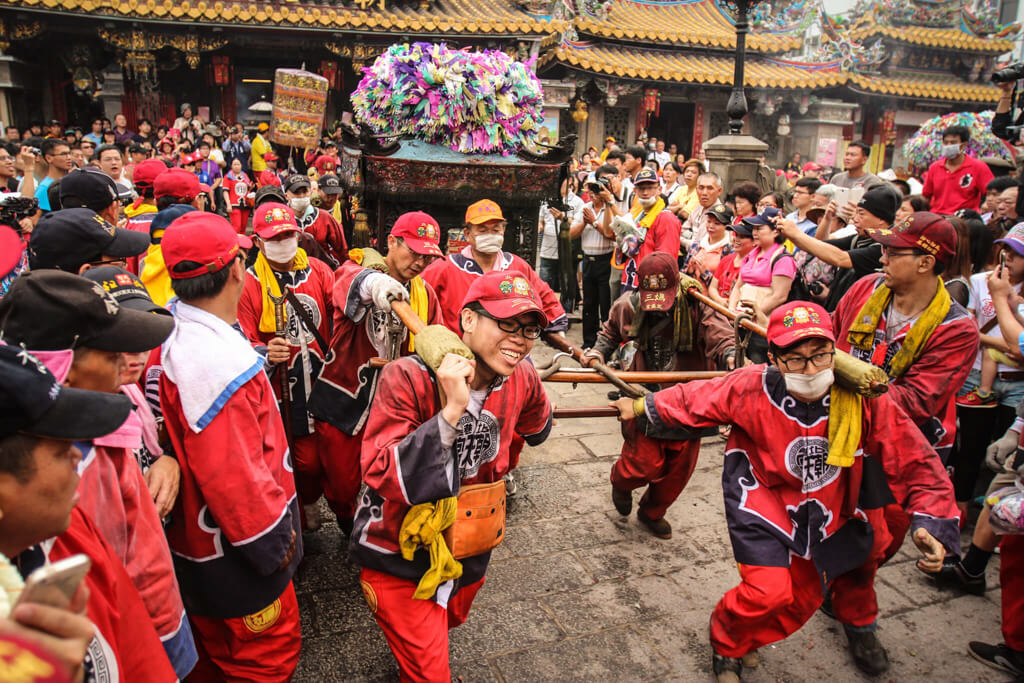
(674, 124)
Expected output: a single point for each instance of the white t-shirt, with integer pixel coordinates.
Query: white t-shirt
(980, 303)
(549, 236)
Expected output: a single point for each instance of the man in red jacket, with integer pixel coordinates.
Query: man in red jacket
(421, 448)
(365, 328)
(452, 277)
(903, 321)
(657, 229)
(285, 269)
(957, 180)
(105, 630)
(790, 490)
(235, 529)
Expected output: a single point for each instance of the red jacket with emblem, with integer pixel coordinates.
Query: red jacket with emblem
(927, 390)
(663, 235)
(312, 287)
(411, 455)
(346, 386)
(451, 278)
(327, 233)
(781, 496)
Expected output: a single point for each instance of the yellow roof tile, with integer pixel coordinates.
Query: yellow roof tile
(674, 67)
(687, 22)
(929, 87)
(948, 38)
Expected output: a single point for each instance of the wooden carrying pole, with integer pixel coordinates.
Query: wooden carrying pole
(585, 377)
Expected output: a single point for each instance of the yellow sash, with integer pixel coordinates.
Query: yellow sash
(265, 275)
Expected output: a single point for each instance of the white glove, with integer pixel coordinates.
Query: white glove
(384, 288)
(999, 450)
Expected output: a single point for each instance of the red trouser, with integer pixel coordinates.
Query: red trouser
(1011, 578)
(261, 647)
(853, 594)
(239, 219)
(663, 466)
(339, 455)
(416, 630)
(308, 468)
(770, 604)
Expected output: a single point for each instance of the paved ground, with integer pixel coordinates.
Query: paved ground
(578, 593)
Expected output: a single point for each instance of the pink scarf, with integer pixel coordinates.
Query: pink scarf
(140, 427)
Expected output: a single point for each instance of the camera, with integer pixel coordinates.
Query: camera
(602, 183)
(815, 288)
(1013, 72)
(14, 207)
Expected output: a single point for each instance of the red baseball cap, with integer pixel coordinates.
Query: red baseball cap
(176, 182)
(270, 156)
(811, 166)
(11, 249)
(420, 231)
(205, 238)
(268, 178)
(505, 294)
(798, 321)
(147, 171)
(271, 219)
(658, 275)
(325, 164)
(924, 230)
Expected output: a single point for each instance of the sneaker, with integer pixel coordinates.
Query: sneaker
(511, 487)
(727, 669)
(998, 657)
(312, 512)
(659, 527)
(868, 653)
(976, 399)
(953, 576)
(826, 606)
(623, 501)
(751, 660)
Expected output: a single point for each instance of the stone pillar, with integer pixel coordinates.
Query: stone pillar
(113, 89)
(734, 157)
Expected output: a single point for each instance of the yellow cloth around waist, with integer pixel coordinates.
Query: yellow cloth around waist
(845, 414)
(423, 526)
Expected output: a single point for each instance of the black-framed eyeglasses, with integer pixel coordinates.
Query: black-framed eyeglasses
(427, 259)
(512, 326)
(799, 363)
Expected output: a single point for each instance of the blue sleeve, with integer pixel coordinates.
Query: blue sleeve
(42, 197)
(1020, 342)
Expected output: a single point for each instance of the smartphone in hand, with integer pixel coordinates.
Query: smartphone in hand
(56, 584)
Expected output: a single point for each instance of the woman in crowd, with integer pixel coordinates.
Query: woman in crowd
(702, 260)
(684, 200)
(745, 197)
(955, 277)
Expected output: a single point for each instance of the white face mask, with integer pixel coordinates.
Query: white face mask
(647, 203)
(299, 204)
(281, 251)
(951, 151)
(489, 244)
(809, 387)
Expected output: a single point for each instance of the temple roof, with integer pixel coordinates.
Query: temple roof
(682, 22)
(465, 17)
(930, 87)
(679, 67)
(945, 38)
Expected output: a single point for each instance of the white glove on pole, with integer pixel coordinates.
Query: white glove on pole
(383, 288)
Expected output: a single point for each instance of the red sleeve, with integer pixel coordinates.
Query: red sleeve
(929, 186)
(436, 276)
(345, 297)
(704, 403)
(924, 389)
(913, 470)
(666, 230)
(534, 423)
(548, 299)
(247, 522)
(250, 309)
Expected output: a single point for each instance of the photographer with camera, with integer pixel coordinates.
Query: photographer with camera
(598, 243)
(1004, 126)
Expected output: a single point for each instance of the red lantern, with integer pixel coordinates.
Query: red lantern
(889, 128)
(221, 70)
(329, 70)
(652, 102)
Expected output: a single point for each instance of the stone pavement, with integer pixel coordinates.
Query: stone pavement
(578, 593)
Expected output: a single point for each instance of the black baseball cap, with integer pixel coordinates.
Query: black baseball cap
(164, 218)
(269, 193)
(125, 287)
(35, 403)
(721, 212)
(295, 182)
(329, 184)
(88, 187)
(50, 310)
(70, 238)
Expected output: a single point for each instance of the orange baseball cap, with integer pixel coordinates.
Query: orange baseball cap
(483, 211)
